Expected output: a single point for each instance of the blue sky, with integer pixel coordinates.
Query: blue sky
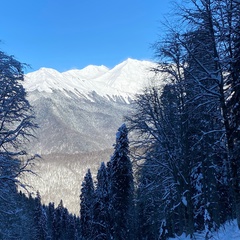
(67, 34)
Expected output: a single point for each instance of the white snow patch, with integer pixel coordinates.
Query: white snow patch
(184, 201)
(228, 231)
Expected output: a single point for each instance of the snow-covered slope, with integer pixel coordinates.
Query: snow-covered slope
(89, 72)
(229, 231)
(80, 110)
(129, 76)
(124, 80)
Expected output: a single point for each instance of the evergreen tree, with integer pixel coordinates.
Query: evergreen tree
(101, 205)
(40, 219)
(72, 231)
(230, 62)
(121, 189)
(50, 214)
(86, 207)
(204, 125)
(57, 222)
(149, 207)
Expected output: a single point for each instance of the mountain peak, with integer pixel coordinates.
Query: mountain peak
(89, 72)
(124, 80)
(131, 75)
(131, 60)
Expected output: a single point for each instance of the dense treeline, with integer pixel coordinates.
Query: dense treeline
(27, 218)
(189, 176)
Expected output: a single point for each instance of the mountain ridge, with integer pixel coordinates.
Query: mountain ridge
(124, 80)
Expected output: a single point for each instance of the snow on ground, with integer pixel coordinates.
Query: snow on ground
(229, 231)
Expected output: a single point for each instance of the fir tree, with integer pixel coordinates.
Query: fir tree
(40, 219)
(121, 188)
(57, 222)
(101, 205)
(86, 206)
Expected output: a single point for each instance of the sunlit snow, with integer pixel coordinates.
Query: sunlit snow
(125, 79)
(228, 231)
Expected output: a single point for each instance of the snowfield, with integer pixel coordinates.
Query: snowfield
(229, 231)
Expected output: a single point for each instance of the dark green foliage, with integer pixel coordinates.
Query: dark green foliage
(101, 205)
(28, 219)
(86, 206)
(40, 219)
(109, 211)
(121, 188)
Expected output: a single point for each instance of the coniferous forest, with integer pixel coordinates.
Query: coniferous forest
(176, 162)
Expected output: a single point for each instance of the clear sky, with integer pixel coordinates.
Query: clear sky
(67, 34)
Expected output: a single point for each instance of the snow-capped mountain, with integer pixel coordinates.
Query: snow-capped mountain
(81, 110)
(124, 80)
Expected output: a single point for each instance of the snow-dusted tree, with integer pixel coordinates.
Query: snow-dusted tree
(50, 217)
(192, 128)
(229, 60)
(220, 19)
(86, 206)
(17, 117)
(61, 224)
(213, 28)
(164, 179)
(149, 204)
(16, 121)
(101, 205)
(121, 188)
(205, 127)
(57, 222)
(72, 231)
(160, 124)
(16, 125)
(40, 219)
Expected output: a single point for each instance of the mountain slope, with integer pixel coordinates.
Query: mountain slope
(73, 124)
(131, 76)
(80, 110)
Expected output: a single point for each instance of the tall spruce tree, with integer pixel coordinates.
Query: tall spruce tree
(204, 125)
(57, 222)
(101, 205)
(86, 207)
(121, 189)
(40, 219)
